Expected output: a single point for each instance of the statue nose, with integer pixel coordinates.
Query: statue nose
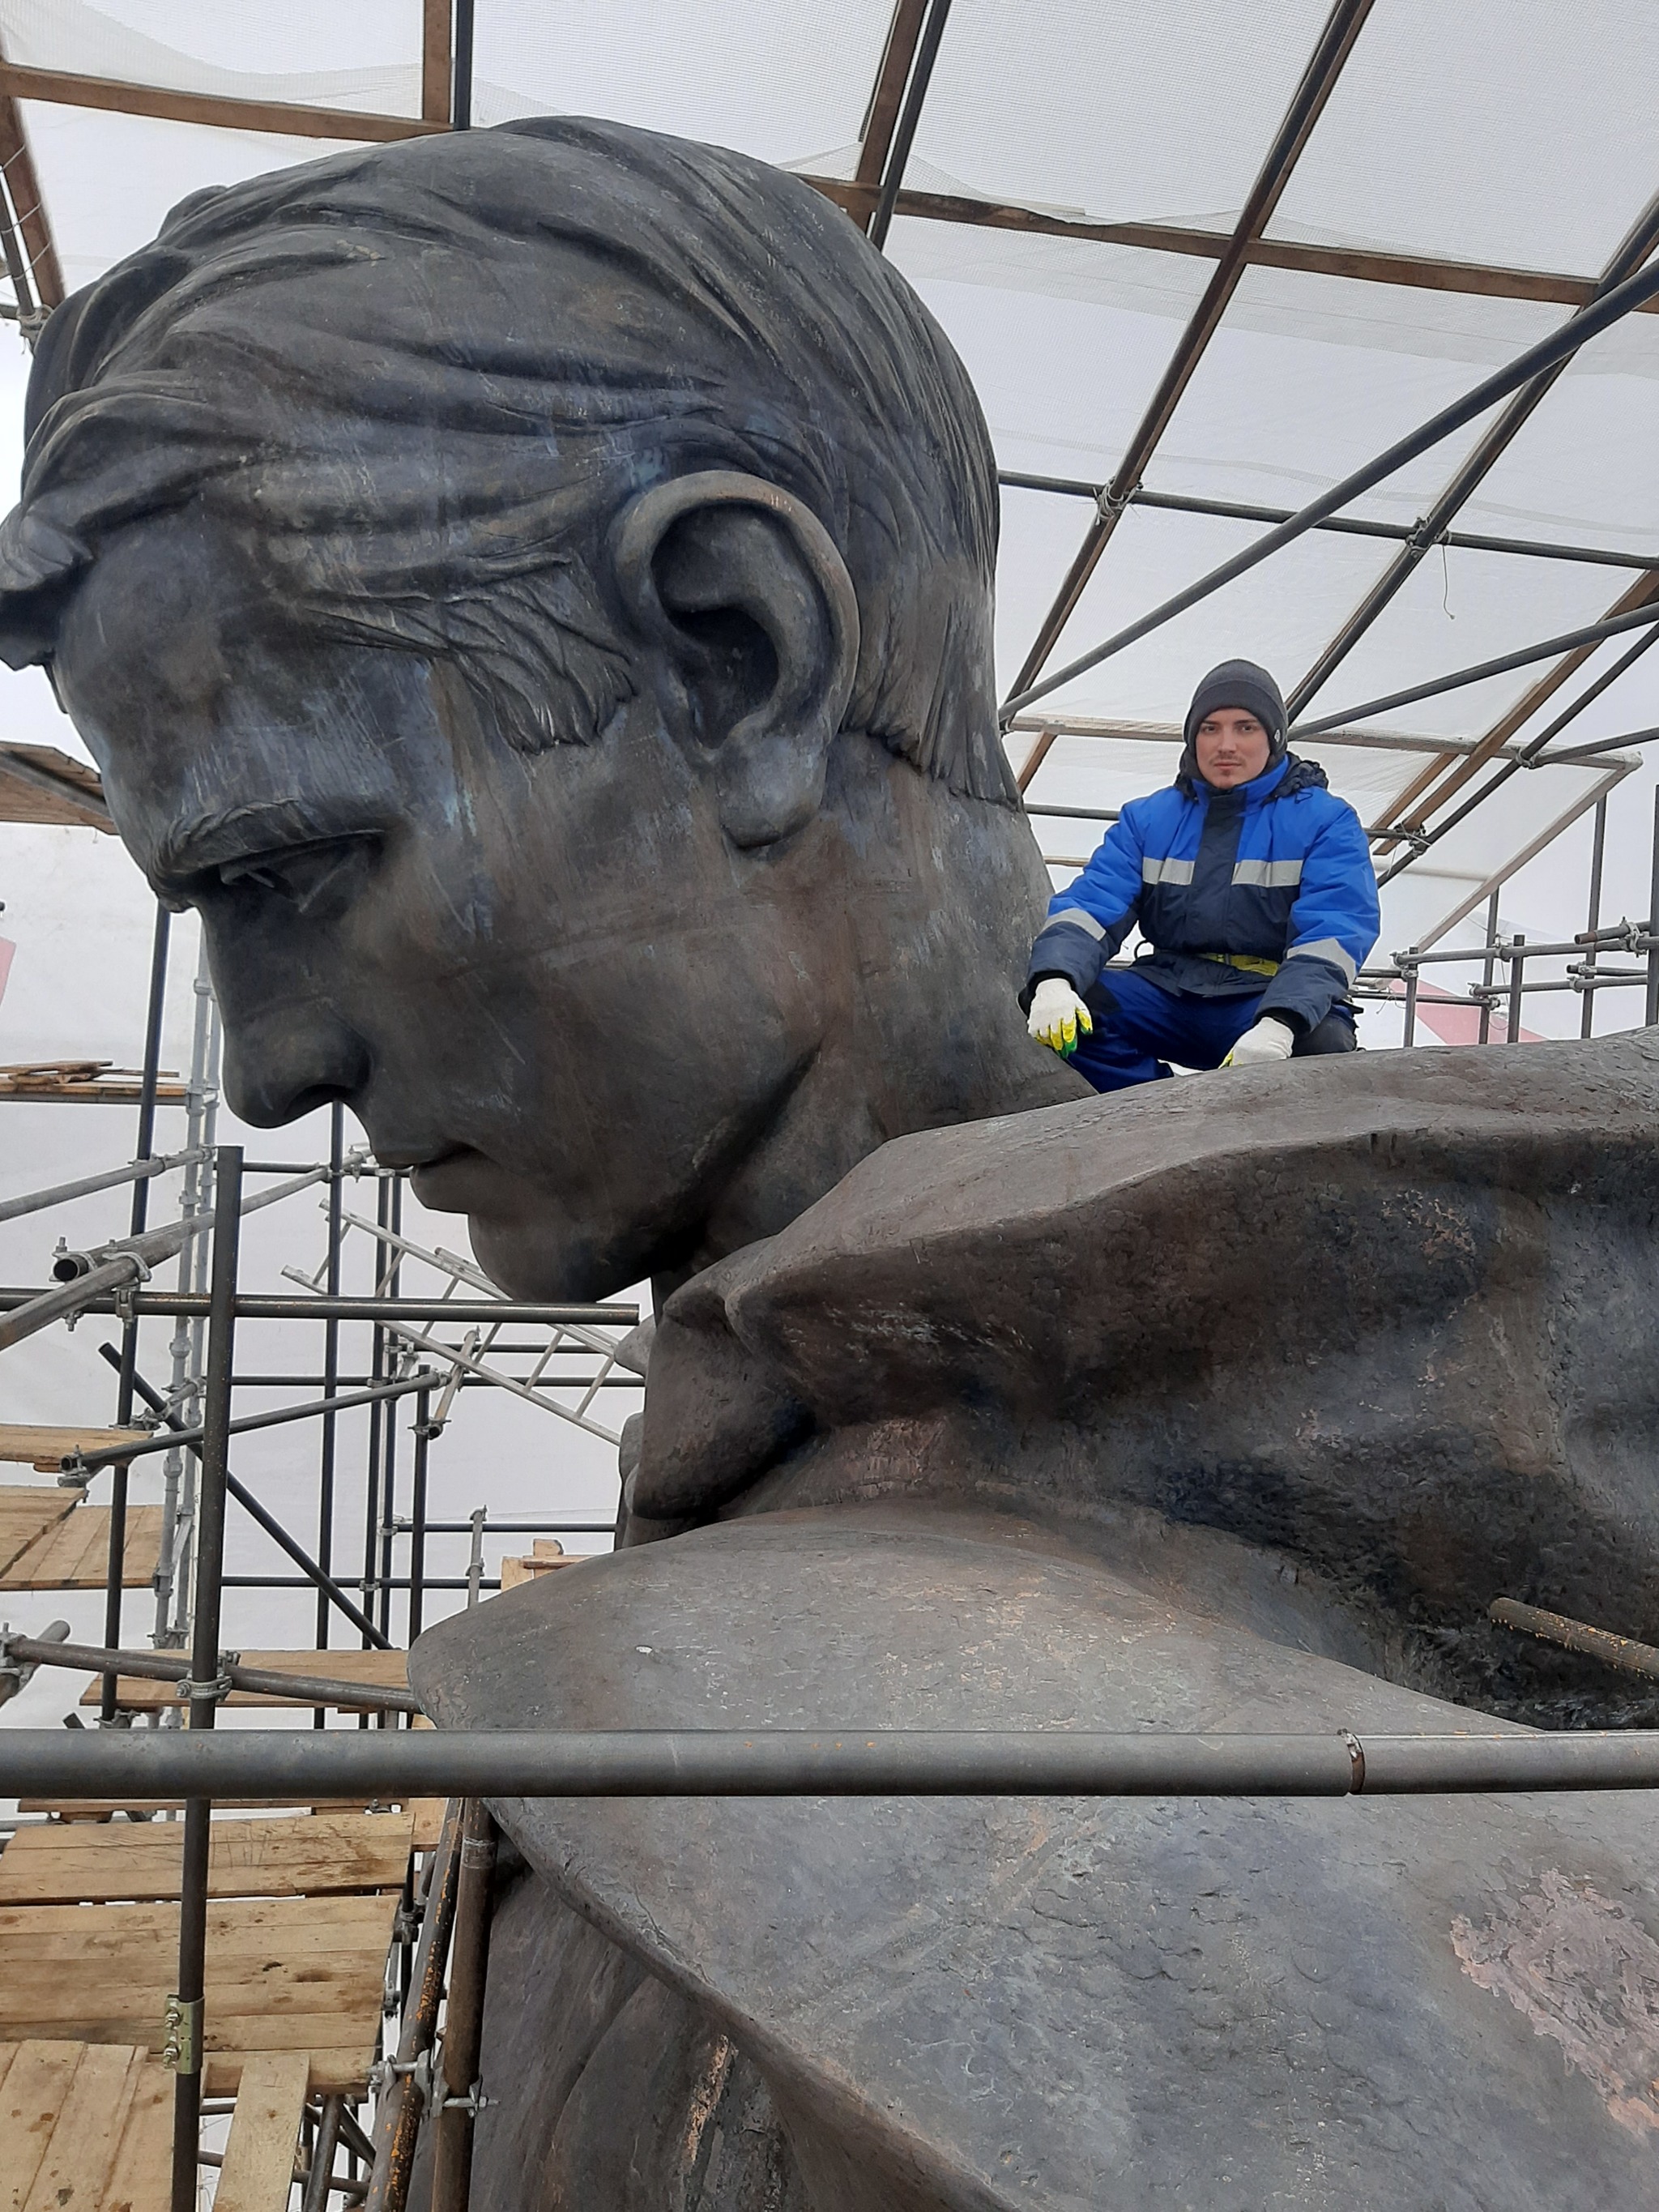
(281, 1066)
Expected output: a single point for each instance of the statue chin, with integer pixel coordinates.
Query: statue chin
(544, 1254)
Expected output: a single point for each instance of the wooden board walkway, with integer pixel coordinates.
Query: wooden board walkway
(81, 1813)
(258, 2169)
(26, 1511)
(379, 1670)
(73, 1553)
(84, 2128)
(324, 1855)
(291, 1974)
(31, 1444)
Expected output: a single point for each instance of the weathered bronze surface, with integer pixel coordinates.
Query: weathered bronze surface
(532, 591)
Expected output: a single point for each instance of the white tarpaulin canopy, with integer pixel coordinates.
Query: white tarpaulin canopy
(1206, 256)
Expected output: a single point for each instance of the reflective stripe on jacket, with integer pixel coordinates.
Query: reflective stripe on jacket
(1276, 871)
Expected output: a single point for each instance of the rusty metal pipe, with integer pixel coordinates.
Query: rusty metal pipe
(403, 2099)
(451, 2169)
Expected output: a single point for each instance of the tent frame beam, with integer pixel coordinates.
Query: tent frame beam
(1319, 80)
(1633, 250)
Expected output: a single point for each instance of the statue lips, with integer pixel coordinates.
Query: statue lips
(458, 1180)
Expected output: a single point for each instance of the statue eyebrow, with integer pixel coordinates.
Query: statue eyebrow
(237, 833)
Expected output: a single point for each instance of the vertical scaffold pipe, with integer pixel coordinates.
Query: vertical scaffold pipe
(189, 2005)
(451, 2165)
(116, 1572)
(402, 2098)
(1517, 974)
(1652, 1013)
(1593, 919)
(1488, 970)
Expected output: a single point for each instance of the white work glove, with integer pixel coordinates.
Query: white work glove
(1059, 1017)
(1270, 1040)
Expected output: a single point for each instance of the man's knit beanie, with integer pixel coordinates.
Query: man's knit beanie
(1237, 683)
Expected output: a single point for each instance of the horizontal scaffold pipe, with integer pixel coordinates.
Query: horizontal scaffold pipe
(60, 1194)
(84, 1278)
(169, 1438)
(260, 1682)
(292, 1766)
(251, 1306)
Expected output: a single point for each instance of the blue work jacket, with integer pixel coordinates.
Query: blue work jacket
(1275, 876)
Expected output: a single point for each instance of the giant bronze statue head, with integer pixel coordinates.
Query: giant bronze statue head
(531, 591)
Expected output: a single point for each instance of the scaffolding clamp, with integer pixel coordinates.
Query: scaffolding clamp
(474, 2101)
(418, 2071)
(125, 1311)
(1109, 505)
(181, 2021)
(213, 1693)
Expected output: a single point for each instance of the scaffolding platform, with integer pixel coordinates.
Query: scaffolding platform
(320, 1854)
(84, 2126)
(69, 1550)
(300, 1926)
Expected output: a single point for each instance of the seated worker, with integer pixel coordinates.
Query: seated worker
(1251, 883)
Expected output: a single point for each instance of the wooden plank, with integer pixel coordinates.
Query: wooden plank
(1366, 265)
(308, 1857)
(282, 1974)
(46, 1449)
(334, 2072)
(264, 2133)
(381, 1670)
(292, 118)
(545, 1555)
(75, 1554)
(427, 1813)
(25, 1514)
(81, 2156)
(437, 61)
(37, 782)
(115, 1087)
(37, 2082)
(142, 2180)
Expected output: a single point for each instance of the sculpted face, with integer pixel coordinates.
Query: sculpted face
(555, 984)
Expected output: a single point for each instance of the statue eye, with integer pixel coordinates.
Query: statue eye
(319, 880)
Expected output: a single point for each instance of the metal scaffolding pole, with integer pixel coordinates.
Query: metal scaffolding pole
(1633, 250)
(1589, 633)
(291, 1766)
(329, 1441)
(898, 153)
(185, 2007)
(144, 1146)
(1593, 922)
(1308, 103)
(1590, 322)
(1341, 526)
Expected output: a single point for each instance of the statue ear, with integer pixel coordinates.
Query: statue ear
(746, 592)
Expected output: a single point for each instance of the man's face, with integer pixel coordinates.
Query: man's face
(545, 981)
(1232, 748)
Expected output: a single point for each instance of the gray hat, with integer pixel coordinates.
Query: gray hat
(1237, 683)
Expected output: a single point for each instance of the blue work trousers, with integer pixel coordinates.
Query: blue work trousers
(1143, 1028)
